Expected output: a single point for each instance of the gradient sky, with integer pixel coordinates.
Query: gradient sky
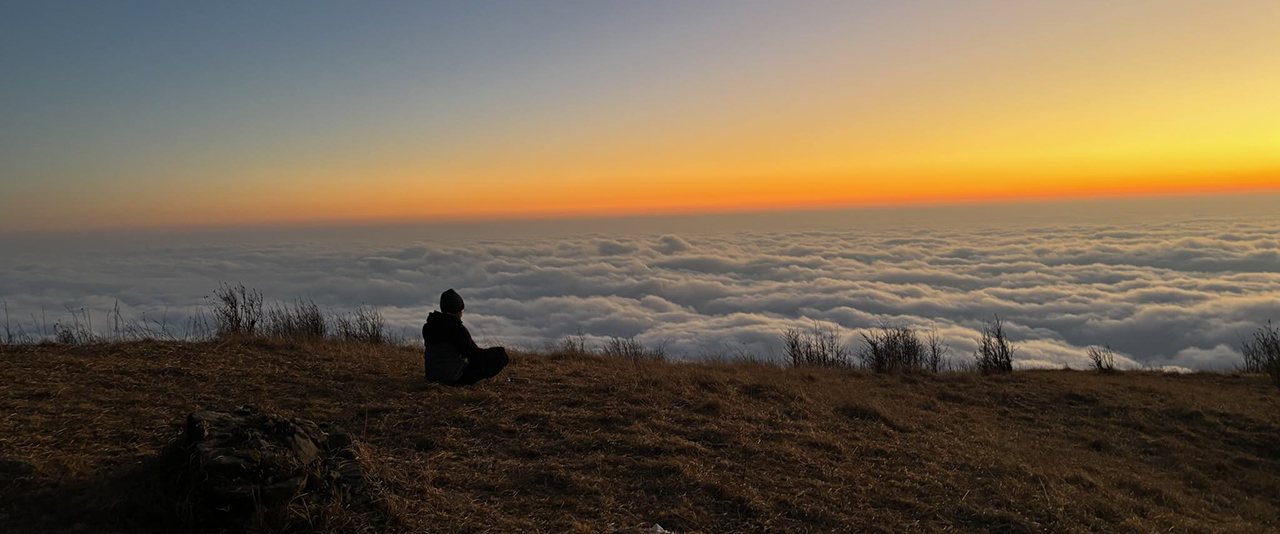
(121, 114)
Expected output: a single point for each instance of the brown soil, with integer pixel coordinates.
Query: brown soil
(588, 444)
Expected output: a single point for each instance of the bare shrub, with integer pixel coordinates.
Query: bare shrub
(631, 349)
(300, 320)
(889, 348)
(1103, 358)
(1262, 352)
(77, 332)
(575, 344)
(363, 325)
(820, 346)
(995, 353)
(237, 311)
(935, 352)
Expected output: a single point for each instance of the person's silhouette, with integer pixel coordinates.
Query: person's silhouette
(449, 355)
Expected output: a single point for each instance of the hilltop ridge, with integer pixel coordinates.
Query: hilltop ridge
(583, 443)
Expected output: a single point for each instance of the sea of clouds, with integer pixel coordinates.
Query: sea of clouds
(1174, 294)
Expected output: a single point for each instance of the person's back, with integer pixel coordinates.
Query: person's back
(450, 356)
(448, 345)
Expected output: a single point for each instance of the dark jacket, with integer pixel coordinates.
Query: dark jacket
(448, 346)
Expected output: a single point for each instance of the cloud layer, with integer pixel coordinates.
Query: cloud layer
(1161, 295)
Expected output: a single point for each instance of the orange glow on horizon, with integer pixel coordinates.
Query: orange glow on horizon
(366, 205)
(699, 198)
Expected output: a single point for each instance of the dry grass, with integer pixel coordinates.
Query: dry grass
(363, 325)
(1103, 359)
(626, 348)
(588, 444)
(1262, 352)
(301, 320)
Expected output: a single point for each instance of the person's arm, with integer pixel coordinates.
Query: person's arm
(465, 345)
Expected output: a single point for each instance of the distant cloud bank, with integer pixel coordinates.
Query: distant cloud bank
(1175, 295)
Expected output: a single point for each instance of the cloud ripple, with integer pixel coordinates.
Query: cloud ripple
(1161, 295)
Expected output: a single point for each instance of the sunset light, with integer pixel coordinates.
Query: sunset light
(665, 107)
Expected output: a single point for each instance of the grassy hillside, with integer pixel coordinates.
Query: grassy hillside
(588, 444)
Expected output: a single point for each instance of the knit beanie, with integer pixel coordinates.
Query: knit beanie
(451, 302)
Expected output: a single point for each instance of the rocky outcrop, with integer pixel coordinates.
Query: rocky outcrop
(245, 467)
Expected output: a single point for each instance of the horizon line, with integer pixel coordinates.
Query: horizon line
(661, 212)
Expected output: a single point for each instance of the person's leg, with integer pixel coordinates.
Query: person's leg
(487, 364)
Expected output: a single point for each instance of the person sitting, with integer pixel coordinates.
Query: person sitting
(449, 356)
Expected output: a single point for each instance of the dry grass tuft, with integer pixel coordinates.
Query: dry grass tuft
(301, 320)
(1103, 359)
(630, 349)
(364, 325)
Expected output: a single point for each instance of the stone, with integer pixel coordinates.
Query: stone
(244, 466)
(652, 529)
(14, 468)
(304, 449)
(282, 492)
(339, 440)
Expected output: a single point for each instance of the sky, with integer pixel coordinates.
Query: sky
(183, 114)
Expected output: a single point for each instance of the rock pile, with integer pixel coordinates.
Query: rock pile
(15, 469)
(245, 467)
